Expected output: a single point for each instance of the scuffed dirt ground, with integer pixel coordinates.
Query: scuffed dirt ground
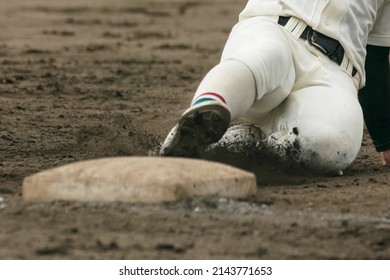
(93, 78)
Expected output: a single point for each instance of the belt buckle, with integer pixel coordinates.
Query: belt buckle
(312, 36)
(329, 47)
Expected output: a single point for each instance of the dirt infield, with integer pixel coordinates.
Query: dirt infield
(92, 78)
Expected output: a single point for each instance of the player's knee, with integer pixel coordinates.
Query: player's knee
(328, 149)
(316, 147)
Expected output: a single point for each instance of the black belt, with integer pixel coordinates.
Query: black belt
(327, 45)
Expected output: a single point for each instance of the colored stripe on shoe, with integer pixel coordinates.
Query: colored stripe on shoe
(208, 96)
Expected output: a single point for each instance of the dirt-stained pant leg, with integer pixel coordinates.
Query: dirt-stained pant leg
(319, 127)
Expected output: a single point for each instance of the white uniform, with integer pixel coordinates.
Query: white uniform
(303, 101)
(349, 22)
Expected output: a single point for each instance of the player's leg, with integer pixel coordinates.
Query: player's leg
(257, 61)
(319, 126)
(229, 83)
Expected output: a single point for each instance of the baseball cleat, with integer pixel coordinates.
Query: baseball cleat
(198, 127)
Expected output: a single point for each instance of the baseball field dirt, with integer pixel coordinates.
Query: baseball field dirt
(91, 79)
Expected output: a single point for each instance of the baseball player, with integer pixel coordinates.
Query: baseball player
(294, 68)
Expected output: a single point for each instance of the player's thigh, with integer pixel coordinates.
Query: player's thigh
(264, 47)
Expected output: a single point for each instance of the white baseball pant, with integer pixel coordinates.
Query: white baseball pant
(298, 96)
